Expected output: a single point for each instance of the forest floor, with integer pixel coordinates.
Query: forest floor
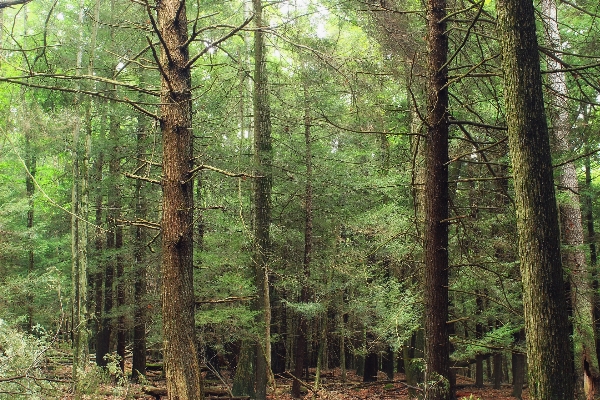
(332, 388)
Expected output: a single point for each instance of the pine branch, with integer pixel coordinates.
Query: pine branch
(10, 3)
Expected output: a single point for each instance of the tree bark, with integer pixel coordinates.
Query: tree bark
(436, 209)
(570, 217)
(138, 368)
(546, 320)
(263, 158)
(114, 169)
(300, 352)
(182, 369)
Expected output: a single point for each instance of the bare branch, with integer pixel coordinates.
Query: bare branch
(218, 41)
(10, 3)
(142, 178)
(157, 31)
(221, 171)
(230, 299)
(140, 222)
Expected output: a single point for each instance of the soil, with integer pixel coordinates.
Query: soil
(332, 388)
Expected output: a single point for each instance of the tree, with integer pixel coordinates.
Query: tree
(182, 367)
(437, 356)
(263, 159)
(546, 321)
(571, 222)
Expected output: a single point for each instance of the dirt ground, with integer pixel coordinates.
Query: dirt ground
(333, 388)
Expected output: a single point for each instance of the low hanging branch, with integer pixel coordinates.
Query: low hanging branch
(231, 299)
(221, 171)
(142, 178)
(10, 3)
(140, 222)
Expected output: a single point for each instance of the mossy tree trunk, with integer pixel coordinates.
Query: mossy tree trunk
(546, 320)
(263, 158)
(586, 361)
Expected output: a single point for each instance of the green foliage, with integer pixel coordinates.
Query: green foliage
(22, 358)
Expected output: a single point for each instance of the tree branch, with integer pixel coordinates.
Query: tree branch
(10, 3)
(142, 178)
(218, 41)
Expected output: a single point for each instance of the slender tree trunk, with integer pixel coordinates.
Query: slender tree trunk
(117, 230)
(546, 319)
(586, 361)
(138, 368)
(30, 165)
(101, 343)
(263, 156)
(182, 369)
(300, 353)
(79, 208)
(437, 355)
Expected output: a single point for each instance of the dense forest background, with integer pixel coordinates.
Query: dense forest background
(251, 180)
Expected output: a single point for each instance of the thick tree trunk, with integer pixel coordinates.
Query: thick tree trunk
(570, 218)
(546, 320)
(436, 209)
(591, 238)
(263, 158)
(182, 369)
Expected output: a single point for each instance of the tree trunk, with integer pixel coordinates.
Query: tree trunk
(263, 158)
(591, 238)
(116, 230)
(570, 216)
(436, 209)
(182, 369)
(546, 320)
(497, 370)
(301, 343)
(138, 368)
(79, 216)
(30, 166)
(101, 349)
(518, 365)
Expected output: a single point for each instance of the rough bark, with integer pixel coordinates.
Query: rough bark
(101, 343)
(436, 209)
(546, 320)
(79, 229)
(570, 217)
(138, 368)
(182, 368)
(518, 366)
(263, 156)
(591, 239)
(114, 169)
(300, 352)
